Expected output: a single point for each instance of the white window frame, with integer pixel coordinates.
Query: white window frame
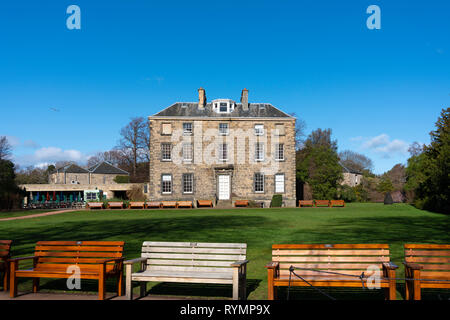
(164, 151)
(259, 151)
(223, 150)
(166, 180)
(226, 132)
(277, 151)
(188, 132)
(183, 183)
(188, 146)
(262, 183)
(259, 129)
(275, 183)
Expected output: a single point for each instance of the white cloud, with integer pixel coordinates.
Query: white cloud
(384, 146)
(42, 157)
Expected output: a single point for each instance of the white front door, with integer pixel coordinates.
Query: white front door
(224, 187)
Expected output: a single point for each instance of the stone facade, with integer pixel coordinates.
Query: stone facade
(207, 163)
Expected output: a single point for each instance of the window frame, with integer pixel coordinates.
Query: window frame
(162, 183)
(191, 147)
(262, 130)
(261, 151)
(227, 131)
(277, 152)
(188, 133)
(183, 183)
(275, 183)
(163, 144)
(262, 182)
(221, 152)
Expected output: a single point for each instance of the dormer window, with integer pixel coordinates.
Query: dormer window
(223, 105)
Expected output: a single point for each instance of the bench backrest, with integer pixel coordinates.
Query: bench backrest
(343, 258)
(337, 202)
(306, 202)
(137, 203)
(322, 202)
(5, 249)
(193, 256)
(434, 258)
(85, 254)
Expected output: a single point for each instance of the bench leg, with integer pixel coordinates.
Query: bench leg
(235, 283)
(416, 285)
(271, 289)
(35, 285)
(101, 283)
(13, 281)
(6, 279)
(128, 284)
(120, 284)
(143, 289)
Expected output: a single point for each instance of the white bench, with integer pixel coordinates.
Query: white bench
(190, 262)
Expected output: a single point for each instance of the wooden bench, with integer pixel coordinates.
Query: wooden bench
(92, 205)
(426, 261)
(5, 254)
(97, 260)
(137, 204)
(322, 203)
(350, 259)
(204, 203)
(118, 205)
(184, 204)
(241, 203)
(190, 262)
(337, 203)
(306, 203)
(153, 204)
(168, 204)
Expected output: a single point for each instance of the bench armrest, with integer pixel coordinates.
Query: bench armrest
(137, 260)
(412, 266)
(390, 266)
(272, 265)
(239, 263)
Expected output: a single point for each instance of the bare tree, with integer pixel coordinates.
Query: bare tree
(355, 161)
(300, 126)
(113, 156)
(415, 149)
(132, 142)
(5, 148)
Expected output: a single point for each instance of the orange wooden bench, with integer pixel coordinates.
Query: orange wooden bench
(137, 204)
(153, 204)
(337, 203)
(204, 203)
(92, 205)
(349, 259)
(426, 261)
(322, 203)
(168, 204)
(97, 260)
(5, 254)
(184, 204)
(118, 205)
(306, 203)
(241, 203)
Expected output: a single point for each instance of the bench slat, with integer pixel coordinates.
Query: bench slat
(331, 259)
(197, 244)
(335, 266)
(194, 256)
(192, 250)
(330, 246)
(189, 269)
(330, 252)
(427, 259)
(213, 263)
(78, 248)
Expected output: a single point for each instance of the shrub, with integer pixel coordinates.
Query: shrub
(277, 201)
(347, 193)
(122, 179)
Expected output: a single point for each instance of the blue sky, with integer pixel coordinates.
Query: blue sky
(379, 90)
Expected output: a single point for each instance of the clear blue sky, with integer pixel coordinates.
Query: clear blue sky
(379, 90)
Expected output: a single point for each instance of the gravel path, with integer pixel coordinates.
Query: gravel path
(37, 215)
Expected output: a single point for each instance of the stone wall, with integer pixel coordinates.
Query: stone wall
(205, 165)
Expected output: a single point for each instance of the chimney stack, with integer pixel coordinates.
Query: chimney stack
(201, 98)
(244, 99)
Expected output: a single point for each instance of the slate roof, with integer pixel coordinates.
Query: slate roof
(349, 170)
(106, 168)
(190, 109)
(71, 168)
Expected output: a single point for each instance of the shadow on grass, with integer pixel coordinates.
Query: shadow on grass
(309, 293)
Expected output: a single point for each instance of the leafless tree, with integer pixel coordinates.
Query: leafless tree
(5, 148)
(355, 161)
(300, 126)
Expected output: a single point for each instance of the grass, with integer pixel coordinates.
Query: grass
(14, 214)
(259, 228)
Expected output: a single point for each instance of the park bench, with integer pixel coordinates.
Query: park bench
(426, 261)
(306, 203)
(97, 260)
(320, 203)
(184, 204)
(137, 204)
(168, 204)
(117, 204)
(5, 254)
(348, 259)
(204, 203)
(337, 203)
(153, 204)
(190, 262)
(97, 205)
(241, 203)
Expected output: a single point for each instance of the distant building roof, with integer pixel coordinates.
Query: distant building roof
(349, 170)
(106, 168)
(190, 109)
(71, 168)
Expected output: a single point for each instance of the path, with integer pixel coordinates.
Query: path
(37, 215)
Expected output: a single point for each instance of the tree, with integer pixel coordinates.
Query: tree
(5, 148)
(10, 193)
(300, 127)
(385, 185)
(132, 144)
(428, 173)
(356, 161)
(318, 164)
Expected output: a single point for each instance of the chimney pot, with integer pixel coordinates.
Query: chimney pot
(244, 99)
(201, 98)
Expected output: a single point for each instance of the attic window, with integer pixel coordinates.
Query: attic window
(223, 105)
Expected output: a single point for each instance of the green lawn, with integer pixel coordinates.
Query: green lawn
(14, 214)
(259, 228)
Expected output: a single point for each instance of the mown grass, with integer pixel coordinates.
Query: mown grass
(21, 213)
(259, 228)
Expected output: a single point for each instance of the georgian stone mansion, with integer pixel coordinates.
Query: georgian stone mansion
(222, 151)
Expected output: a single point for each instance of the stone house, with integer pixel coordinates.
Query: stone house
(223, 151)
(351, 177)
(103, 173)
